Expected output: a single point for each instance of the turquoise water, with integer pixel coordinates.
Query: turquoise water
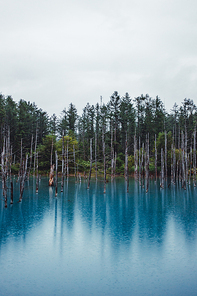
(86, 243)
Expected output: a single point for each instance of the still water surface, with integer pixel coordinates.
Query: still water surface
(86, 243)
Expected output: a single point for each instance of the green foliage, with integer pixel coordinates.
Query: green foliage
(119, 119)
(15, 168)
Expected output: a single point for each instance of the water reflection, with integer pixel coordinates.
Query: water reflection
(117, 212)
(89, 243)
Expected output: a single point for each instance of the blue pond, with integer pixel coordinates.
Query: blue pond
(84, 242)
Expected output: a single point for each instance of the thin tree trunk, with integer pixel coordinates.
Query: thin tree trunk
(103, 138)
(147, 163)
(155, 158)
(90, 164)
(183, 163)
(23, 180)
(74, 163)
(51, 162)
(140, 164)
(67, 162)
(62, 180)
(35, 151)
(56, 168)
(174, 165)
(96, 155)
(162, 170)
(186, 160)
(135, 155)
(166, 161)
(37, 177)
(143, 160)
(51, 176)
(126, 165)
(194, 159)
(4, 174)
(31, 151)
(112, 159)
(190, 164)
(11, 200)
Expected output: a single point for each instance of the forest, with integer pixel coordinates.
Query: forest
(124, 136)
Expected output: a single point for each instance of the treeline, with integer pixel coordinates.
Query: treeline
(123, 124)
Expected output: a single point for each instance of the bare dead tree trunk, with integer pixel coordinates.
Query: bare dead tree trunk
(194, 158)
(11, 199)
(135, 155)
(174, 165)
(126, 165)
(51, 176)
(140, 166)
(3, 171)
(37, 177)
(67, 162)
(115, 164)
(162, 170)
(62, 180)
(143, 160)
(56, 168)
(183, 162)
(155, 158)
(103, 138)
(186, 160)
(147, 163)
(74, 163)
(31, 152)
(190, 164)
(23, 180)
(166, 164)
(90, 164)
(51, 162)
(35, 149)
(172, 181)
(96, 154)
(112, 159)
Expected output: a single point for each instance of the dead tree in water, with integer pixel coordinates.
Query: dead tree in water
(147, 163)
(183, 161)
(135, 156)
(155, 158)
(37, 176)
(194, 159)
(3, 171)
(162, 170)
(51, 176)
(23, 177)
(90, 164)
(190, 164)
(62, 180)
(112, 154)
(31, 151)
(166, 164)
(96, 155)
(143, 172)
(35, 149)
(126, 165)
(104, 164)
(67, 172)
(56, 168)
(172, 164)
(74, 163)
(140, 164)
(186, 160)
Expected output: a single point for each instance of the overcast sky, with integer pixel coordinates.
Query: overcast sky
(54, 52)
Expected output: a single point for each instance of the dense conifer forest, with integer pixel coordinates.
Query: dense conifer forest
(123, 136)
